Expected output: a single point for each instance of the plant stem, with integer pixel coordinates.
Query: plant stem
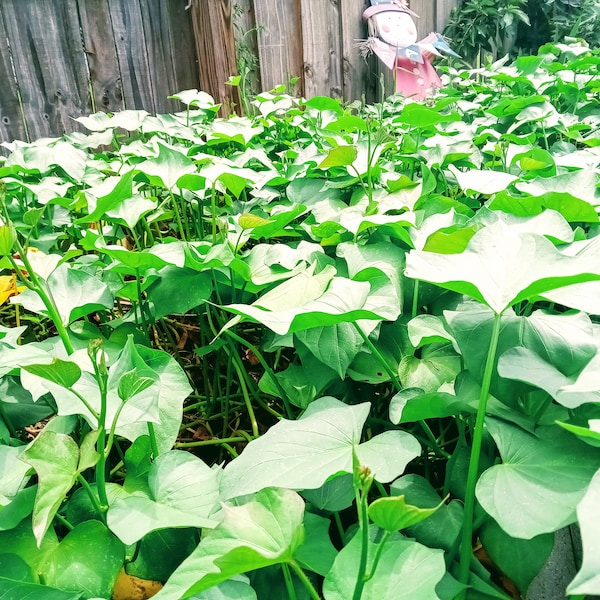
(398, 386)
(310, 588)
(39, 286)
(211, 442)
(377, 556)
(289, 584)
(415, 302)
(93, 498)
(267, 368)
(363, 520)
(467, 530)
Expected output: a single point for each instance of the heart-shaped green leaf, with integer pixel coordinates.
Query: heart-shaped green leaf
(182, 492)
(87, 560)
(406, 571)
(303, 454)
(587, 580)
(264, 531)
(500, 267)
(552, 468)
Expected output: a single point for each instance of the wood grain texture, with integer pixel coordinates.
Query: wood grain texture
(215, 45)
(130, 43)
(443, 10)
(12, 124)
(322, 48)
(103, 61)
(360, 75)
(279, 42)
(49, 61)
(426, 22)
(183, 55)
(167, 27)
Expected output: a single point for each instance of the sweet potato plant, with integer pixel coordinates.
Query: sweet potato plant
(326, 351)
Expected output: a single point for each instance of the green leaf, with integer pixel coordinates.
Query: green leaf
(519, 560)
(167, 167)
(8, 237)
(525, 365)
(122, 191)
(182, 492)
(441, 529)
(574, 210)
(178, 290)
(76, 293)
(306, 301)
(334, 495)
(317, 553)
(587, 580)
(18, 590)
(394, 513)
(342, 156)
(87, 560)
(160, 552)
(20, 507)
(15, 568)
(61, 372)
(418, 115)
(482, 181)
(21, 542)
(172, 389)
(55, 458)
(131, 384)
(406, 571)
(413, 404)
(565, 341)
(335, 346)
(266, 530)
(12, 472)
(501, 267)
(438, 364)
(303, 454)
(550, 469)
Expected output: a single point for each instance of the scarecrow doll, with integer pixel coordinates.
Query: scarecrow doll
(393, 37)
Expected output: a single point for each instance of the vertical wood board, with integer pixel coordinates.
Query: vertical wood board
(322, 48)
(128, 28)
(443, 10)
(49, 63)
(426, 22)
(101, 52)
(12, 124)
(360, 75)
(279, 42)
(215, 44)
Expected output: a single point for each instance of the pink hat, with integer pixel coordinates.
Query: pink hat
(392, 6)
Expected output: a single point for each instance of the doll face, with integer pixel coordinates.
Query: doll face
(396, 28)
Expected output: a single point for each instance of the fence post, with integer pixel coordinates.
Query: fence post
(215, 48)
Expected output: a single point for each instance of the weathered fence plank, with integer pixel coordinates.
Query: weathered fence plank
(128, 28)
(50, 65)
(279, 42)
(359, 74)
(443, 10)
(215, 46)
(163, 33)
(12, 124)
(426, 9)
(322, 48)
(101, 52)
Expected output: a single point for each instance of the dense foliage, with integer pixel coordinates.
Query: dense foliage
(484, 29)
(323, 352)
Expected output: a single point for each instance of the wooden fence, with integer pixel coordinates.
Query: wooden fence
(60, 59)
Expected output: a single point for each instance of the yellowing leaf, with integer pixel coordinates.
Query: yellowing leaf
(9, 288)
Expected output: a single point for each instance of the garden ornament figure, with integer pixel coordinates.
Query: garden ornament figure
(393, 37)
